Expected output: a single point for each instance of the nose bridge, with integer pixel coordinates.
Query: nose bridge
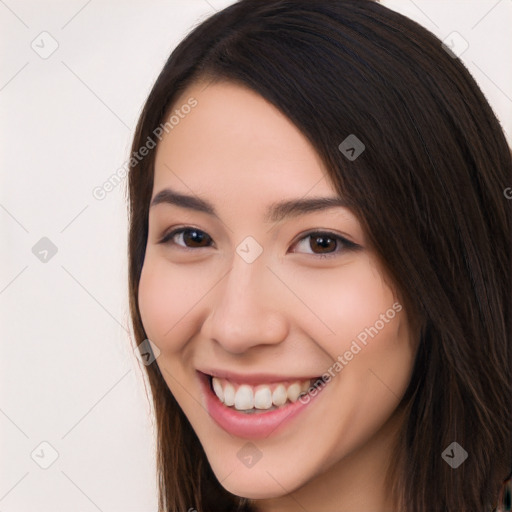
(244, 309)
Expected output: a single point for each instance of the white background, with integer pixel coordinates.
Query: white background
(68, 375)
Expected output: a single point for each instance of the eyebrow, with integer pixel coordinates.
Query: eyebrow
(275, 213)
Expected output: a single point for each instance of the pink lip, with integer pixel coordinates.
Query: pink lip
(249, 426)
(254, 379)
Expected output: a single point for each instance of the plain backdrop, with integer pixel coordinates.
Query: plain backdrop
(75, 420)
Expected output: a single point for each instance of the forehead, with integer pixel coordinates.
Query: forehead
(233, 135)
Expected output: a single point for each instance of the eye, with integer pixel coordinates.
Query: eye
(319, 243)
(188, 238)
(324, 244)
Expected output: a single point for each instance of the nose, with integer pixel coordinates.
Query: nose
(247, 309)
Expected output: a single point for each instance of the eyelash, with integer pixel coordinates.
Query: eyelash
(342, 242)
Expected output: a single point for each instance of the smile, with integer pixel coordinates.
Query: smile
(256, 410)
(250, 399)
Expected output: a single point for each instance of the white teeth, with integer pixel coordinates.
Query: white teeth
(217, 387)
(294, 392)
(263, 398)
(248, 398)
(229, 394)
(279, 396)
(244, 398)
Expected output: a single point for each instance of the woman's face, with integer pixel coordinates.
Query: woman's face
(249, 277)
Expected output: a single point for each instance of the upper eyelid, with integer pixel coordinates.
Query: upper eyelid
(324, 232)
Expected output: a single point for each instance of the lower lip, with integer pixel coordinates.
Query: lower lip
(250, 426)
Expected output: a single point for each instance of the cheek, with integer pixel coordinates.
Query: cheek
(345, 302)
(168, 297)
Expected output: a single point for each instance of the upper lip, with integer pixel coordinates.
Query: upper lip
(254, 378)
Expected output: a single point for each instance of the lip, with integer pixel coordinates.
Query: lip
(251, 426)
(255, 378)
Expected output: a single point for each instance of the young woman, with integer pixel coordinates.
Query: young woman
(320, 254)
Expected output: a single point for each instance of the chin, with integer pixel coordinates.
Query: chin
(262, 481)
(255, 488)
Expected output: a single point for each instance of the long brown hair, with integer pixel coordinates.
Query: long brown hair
(429, 191)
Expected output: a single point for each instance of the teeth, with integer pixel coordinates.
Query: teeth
(279, 396)
(244, 398)
(229, 394)
(294, 392)
(264, 397)
(217, 387)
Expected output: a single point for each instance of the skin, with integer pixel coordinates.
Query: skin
(291, 312)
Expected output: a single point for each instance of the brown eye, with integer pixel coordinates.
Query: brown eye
(195, 238)
(188, 237)
(321, 243)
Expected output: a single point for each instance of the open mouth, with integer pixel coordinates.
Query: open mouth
(250, 399)
(257, 409)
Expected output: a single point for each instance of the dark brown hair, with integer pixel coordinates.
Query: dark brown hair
(428, 190)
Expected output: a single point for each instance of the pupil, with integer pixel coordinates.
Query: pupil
(196, 237)
(326, 244)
